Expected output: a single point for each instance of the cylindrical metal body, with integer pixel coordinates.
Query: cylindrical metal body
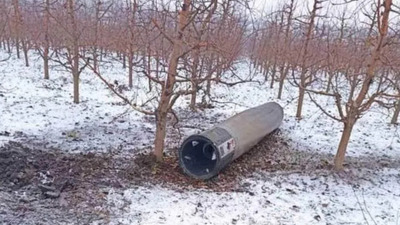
(202, 156)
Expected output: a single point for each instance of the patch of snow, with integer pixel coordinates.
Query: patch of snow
(38, 111)
(270, 199)
(41, 111)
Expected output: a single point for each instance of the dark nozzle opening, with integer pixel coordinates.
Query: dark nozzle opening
(209, 151)
(199, 157)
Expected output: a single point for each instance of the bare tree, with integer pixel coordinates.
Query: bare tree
(304, 77)
(168, 88)
(361, 91)
(46, 41)
(5, 12)
(74, 49)
(17, 24)
(361, 103)
(132, 29)
(284, 68)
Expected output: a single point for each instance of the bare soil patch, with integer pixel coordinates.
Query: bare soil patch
(53, 187)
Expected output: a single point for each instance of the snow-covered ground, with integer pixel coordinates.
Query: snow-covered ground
(40, 112)
(271, 199)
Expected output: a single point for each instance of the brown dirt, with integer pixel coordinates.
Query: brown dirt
(21, 166)
(81, 179)
(85, 179)
(269, 156)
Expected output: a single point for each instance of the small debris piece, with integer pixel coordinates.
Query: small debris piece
(5, 133)
(46, 188)
(52, 194)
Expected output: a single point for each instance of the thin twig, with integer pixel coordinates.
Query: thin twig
(366, 208)
(359, 203)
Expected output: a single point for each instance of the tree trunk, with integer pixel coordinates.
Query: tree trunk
(163, 108)
(208, 82)
(167, 90)
(266, 67)
(75, 71)
(130, 69)
(282, 80)
(25, 50)
(17, 26)
(354, 105)
(273, 75)
(75, 50)
(287, 44)
(96, 36)
(158, 58)
(95, 59)
(8, 46)
(46, 62)
(76, 87)
(330, 77)
(300, 102)
(17, 47)
(344, 141)
(219, 69)
(304, 55)
(132, 43)
(396, 112)
(46, 41)
(148, 66)
(124, 60)
(193, 80)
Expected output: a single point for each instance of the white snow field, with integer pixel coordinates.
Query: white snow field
(40, 112)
